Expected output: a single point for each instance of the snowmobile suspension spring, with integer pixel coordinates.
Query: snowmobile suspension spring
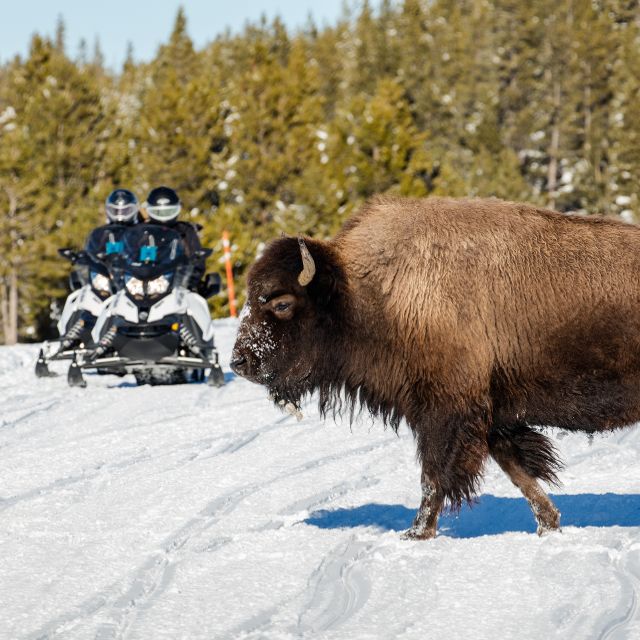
(73, 334)
(107, 340)
(189, 339)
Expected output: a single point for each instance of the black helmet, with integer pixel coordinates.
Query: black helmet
(163, 204)
(121, 206)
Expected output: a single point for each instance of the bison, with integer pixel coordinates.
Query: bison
(480, 322)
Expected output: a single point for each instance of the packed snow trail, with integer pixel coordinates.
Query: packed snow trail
(191, 512)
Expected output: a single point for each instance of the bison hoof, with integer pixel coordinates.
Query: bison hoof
(418, 534)
(543, 530)
(551, 522)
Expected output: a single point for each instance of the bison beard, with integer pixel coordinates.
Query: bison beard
(473, 320)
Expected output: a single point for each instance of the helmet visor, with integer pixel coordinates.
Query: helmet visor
(121, 213)
(163, 212)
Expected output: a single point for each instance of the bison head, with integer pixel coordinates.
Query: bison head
(291, 311)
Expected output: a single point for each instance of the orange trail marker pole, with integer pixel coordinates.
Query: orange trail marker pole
(227, 263)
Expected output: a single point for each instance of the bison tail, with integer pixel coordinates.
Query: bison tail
(530, 449)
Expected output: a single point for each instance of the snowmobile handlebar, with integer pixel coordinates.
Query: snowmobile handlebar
(71, 255)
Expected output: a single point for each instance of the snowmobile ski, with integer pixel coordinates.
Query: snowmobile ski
(42, 369)
(74, 375)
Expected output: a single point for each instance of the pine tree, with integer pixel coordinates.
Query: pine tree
(376, 147)
(325, 50)
(177, 120)
(270, 125)
(54, 176)
(60, 39)
(588, 163)
(624, 122)
(537, 75)
(416, 59)
(177, 58)
(9, 137)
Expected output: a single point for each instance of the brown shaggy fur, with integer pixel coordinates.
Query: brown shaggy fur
(474, 320)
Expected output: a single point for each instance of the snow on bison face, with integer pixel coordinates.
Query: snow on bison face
(277, 342)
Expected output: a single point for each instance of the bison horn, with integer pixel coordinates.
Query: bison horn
(308, 265)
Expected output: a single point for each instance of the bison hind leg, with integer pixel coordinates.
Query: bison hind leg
(530, 449)
(526, 456)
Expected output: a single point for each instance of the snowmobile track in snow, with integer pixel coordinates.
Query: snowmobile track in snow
(130, 513)
(629, 575)
(337, 589)
(115, 610)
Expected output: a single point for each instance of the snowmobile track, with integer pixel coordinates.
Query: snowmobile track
(37, 409)
(629, 576)
(115, 610)
(337, 590)
(165, 512)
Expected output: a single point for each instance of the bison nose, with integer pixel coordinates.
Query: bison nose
(238, 364)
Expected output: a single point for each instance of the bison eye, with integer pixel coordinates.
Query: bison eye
(283, 306)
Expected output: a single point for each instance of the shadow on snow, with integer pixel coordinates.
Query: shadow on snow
(491, 515)
(228, 377)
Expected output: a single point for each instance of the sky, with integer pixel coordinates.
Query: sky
(145, 24)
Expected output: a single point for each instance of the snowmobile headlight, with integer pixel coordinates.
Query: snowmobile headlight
(158, 286)
(134, 286)
(100, 282)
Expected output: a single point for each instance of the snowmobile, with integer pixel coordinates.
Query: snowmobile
(154, 326)
(92, 281)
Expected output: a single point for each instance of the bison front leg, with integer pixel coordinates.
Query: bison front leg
(426, 521)
(452, 452)
(525, 455)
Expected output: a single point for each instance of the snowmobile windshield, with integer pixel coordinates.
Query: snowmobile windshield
(151, 250)
(106, 241)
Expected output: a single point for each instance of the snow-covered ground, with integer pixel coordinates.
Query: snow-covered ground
(191, 512)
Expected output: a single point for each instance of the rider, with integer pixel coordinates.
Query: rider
(163, 207)
(122, 209)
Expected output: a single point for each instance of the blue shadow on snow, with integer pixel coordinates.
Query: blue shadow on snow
(491, 515)
(228, 377)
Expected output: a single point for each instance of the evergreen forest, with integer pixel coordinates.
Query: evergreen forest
(272, 130)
